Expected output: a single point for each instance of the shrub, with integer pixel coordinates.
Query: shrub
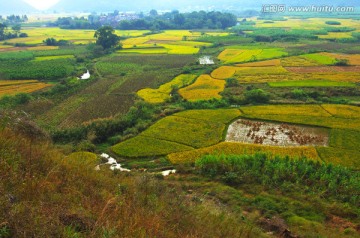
(257, 96)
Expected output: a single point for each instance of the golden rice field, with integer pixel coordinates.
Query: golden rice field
(294, 61)
(309, 23)
(154, 50)
(295, 110)
(265, 63)
(13, 87)
(344, 111)
(162, 94)
(336, 35)
(224, 72)
(314, 115)
(204, 88)
(38, 35)
(229, 148)
(244, 55)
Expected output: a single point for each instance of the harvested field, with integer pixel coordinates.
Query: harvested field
(276, 134)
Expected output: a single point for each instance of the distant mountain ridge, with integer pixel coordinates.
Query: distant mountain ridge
(145, 5)
(19, 6)
(15, 7)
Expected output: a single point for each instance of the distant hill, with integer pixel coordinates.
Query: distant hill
(15, 7)
(184, 5)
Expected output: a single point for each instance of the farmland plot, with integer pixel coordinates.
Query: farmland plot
(204, 88)
(258, 132)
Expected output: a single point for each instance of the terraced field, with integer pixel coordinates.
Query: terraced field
(202, 131)
(183, 131)
(13, 87)
(163, 92)
(205, 87)
(244, 55)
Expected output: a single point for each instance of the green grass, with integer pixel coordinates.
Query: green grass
(20, 55)
(311, 83)
(348, 158)
(47, 69)
(42, 58)
(116, 68)
(147, 146)
(345, 139)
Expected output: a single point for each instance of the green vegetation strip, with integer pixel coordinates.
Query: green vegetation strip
(329, 181)
(311, 83)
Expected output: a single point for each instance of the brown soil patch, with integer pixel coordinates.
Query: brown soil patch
(323, 69)
(276, 134)
(342, 224)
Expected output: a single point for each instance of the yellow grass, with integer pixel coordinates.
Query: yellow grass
(11, 87)
(230, 148)
(163, 92)
(236, 55)
(204, 88)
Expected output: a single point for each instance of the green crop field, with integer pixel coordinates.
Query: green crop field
(142, 146)
(190, 129)
(320, 58)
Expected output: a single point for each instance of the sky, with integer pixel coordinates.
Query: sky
(42, 4)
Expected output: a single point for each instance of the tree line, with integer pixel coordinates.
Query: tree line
(154, 21)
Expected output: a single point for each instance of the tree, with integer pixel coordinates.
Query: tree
(106, 37)
(153, 13)
(16, 28)
(257, 96)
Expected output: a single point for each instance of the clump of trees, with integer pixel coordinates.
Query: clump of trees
(176, 20)
(6, 34)
(333, 23)
(106, 37)
(154, 21)
(53, 42)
